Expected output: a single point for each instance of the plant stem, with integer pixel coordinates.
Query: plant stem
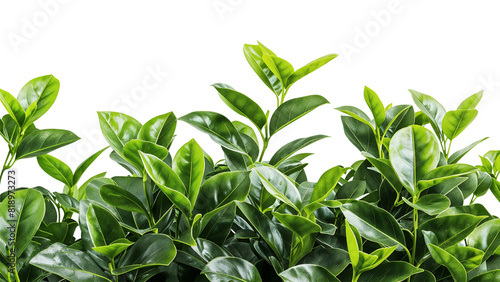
(415, 229)
(150, 217)
(4, 167)
(266, 143)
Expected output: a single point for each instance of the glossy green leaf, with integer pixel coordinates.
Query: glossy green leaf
(246, 129)
(222, 189)
(307, 272)
(121, 198)
(168, 181)
(357, 114)
(13, 107)
(26, 215)
(434, 111)
(132, 149)
(454, 122)
(216, 224)
(431, 204)
(114, 249)
(118, 129)
(208, 250)
(149, 250)
(253, 54)
(414, 151)
(360, 134)
(374, 223)
(375, 105)
(226, 269)
(327, 183)
(279, 67)
(56, 168)
(241, 104)
(68, 202)
(333, 259)
(159, 130)
(103, 226)
(457, 156)
(493, 275)
(351, 190)
(393, 271)
(443, 173)
(299, 225)
(396, 118)
(471, 102)
(486, 237)
(469, 257)
(85, 164)
(42, 91)
(309, 68)
(292, 110)
(292, 147)
(40, 142)
(70, 264)
(444, 258)
(386, 170)
(189, 165)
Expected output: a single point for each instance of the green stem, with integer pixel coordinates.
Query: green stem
(150, 216)
(415, 229)
(4, 167)
(266, 143)
(448, 151)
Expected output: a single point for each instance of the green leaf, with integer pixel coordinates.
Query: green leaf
(13, 107)
(357, 114)
(149, 250)
(267, 229)
(121, 198)
(443, 173)
(393, 271)
(85, 164)
(327, 183)
(245, 129)
(71, 264)
(307, 272)
(56, 168)
(294, 109)
(385, 168)
(159, 130)
(280, 67)
(253, 54)
(226, 269)
(457, 156)
(103, 226)
(241, 104)
(374, 223)
(118, 129)
(132, 149)
(40, 142)
(222, 189)
(396, 118)
(471, 102)
(486, 238)
(216, 224)
(360, 134)
(27, 215)
(189, 165)
(115, 248)
(414, 151)
(309, 68)
(42, 91)
(493, 275)
(431, 204)
(68, 202)
(469, 257)
(299, 225)
(292, 147)
(434, 111)
(168, 181)
(444, 258)
(454, 122)
(218, 127)
(351, 190)
(279, 186)
(375, 105)
(333, 259)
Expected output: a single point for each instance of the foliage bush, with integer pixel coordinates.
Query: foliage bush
(399, 213)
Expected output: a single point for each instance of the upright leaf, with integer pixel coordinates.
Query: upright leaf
(189, 165)
(360, 134)
(103, 226)
(159, 130)
(42, 91)
(85, 164)
(253, 54)
(431, 108)
(118, 129)
(309, 68)
(231, 269)
(486, 238)
(444, 258)
(455, 122)
(132, 149)
(279, 67)
(56, 168)
(375, 105)
(13, 107)
(327, 183)
(471, 102)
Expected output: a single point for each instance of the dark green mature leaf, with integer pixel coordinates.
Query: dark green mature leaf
(121, 198)
(375, 105)
(457, 156)
(385, 168)
(218, 127)
(118, 129)
(115, 248)
(307, 272)
(68, 202)
(85, 164)
(132, 149)
(42, 91)
(444, 258)
(40, 142)
(103, 226)
(431, 204)
(309, 68)
(208, 250)
(245, 129)
(360, 134)
(333, 259)
(357, 114)
(454, 122)
(241, 104)
(471, 102)
(486, 238)
(443, 173)
(414, 151)
(226, 269)
(13, 107)
(393, 271)
(27, 215)
(253, 54)
(292, 147)
(222, 189)
(149, 250)
(216, 225)
(434, 111)
(189, 165)
(294, 109)
(493, 275)
(70, 264)
(159, 130)
(299, 225)
(374, 223)
(351, 190)
(396, 118)
(56, 168)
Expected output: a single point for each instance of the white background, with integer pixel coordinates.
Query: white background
(103, 51)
